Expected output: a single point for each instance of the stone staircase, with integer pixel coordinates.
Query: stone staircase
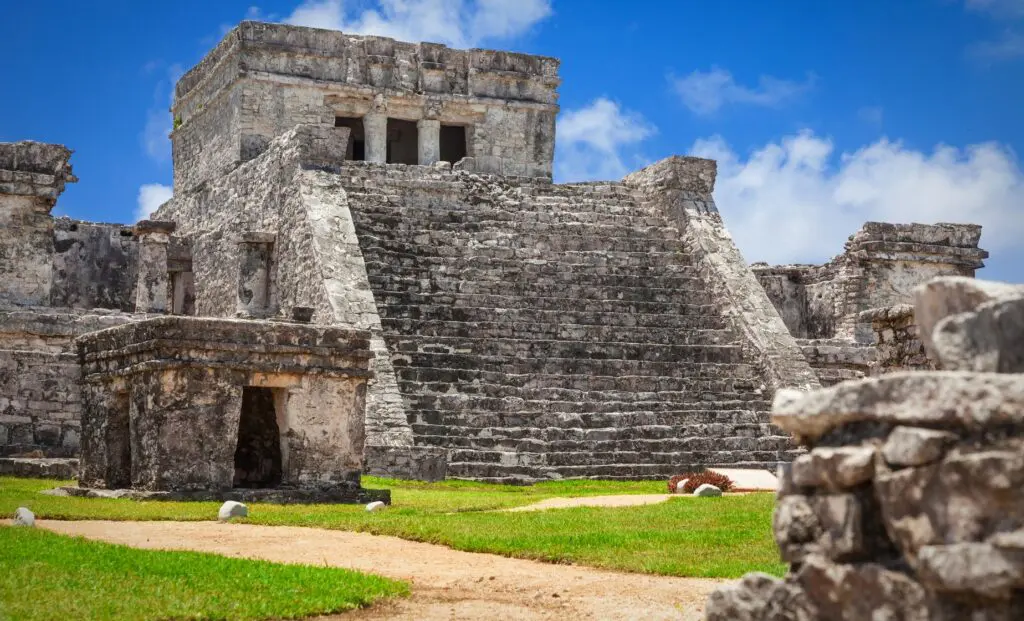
(542, 331)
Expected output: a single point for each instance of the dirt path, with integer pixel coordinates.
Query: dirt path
(447, 584)
(620, 500)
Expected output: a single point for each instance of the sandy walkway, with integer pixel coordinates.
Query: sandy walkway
(620, 500)
(447, 584)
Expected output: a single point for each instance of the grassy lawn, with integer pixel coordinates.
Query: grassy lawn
(49, 576)
(706, 537)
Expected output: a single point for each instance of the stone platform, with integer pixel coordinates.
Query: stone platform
(352, 494)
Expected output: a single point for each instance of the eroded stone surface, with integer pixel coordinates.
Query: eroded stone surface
(915, 446)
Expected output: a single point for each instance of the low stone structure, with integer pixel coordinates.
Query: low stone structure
(910, 503)
(183, 404)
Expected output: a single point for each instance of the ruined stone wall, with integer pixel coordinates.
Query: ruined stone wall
(94, 265)
(829, 306)
(897, 344)
(263, 79)
(909, 503)
(40, 398)
(32, 176)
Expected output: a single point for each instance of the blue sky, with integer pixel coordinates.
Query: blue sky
(822, 114)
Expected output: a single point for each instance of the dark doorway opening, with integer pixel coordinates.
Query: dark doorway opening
(119, 443)
(403, 147)
(356, 138)
(258, 454)
(453, 143)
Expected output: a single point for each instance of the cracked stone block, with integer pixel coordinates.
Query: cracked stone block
(915, 446)
(834, 468)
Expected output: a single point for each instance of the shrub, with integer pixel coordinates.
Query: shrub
(696, 479)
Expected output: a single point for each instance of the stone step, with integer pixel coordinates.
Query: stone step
(703, 382)
(565, 419)
(629, 218)
(471, 316)
(692, 292)
(487, 268)
(568, 452)
(469, 225)
(709, 330)
(627, 253)
(550, 436)
(488, 346)
(569, 366)
(490, 307)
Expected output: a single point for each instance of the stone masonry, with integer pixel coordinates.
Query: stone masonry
(520, 329)
(833, 309)
(908, 505)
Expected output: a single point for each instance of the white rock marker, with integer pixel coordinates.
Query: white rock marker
(376, 505)
(707, 490)
(23, 517)
(232, 509)
(680, 485)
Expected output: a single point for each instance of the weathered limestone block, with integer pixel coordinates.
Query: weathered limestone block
(152, 291)
(951, 399)
(848, 592)
(834, 468)
(972, 324)
(972, 568)
(758, 597)
(829, 525)
(915, 446)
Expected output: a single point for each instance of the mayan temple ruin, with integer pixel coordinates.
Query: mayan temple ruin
(367, 268)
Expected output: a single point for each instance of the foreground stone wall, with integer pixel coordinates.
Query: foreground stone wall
(909, 504)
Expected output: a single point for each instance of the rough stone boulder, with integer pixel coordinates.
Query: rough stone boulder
(909, 503)
(972, 325)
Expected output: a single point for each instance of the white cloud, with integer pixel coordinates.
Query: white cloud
(151, 196)
(593, 141)
(458, 23)
(706, 92)
(795, 201)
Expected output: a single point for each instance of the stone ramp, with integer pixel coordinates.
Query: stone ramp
(446, 583)
(541, 331)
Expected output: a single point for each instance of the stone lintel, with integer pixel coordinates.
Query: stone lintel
(160, 230)
(263, 348)
(258, 237)
(689, 174)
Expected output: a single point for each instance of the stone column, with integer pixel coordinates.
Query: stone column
(375, 132)
(254, 274)
(151, 290)
(428, 133)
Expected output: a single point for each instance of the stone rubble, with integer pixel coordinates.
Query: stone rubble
(232, 509)
(910, 502)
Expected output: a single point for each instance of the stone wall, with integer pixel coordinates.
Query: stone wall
(40, 398)
(32, 176)
(909, 503)
(829, 306)
(264, 79)
(897, 345)
(94, 265)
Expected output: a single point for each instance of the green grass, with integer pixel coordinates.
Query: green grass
(708, 537)
(49, 576)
